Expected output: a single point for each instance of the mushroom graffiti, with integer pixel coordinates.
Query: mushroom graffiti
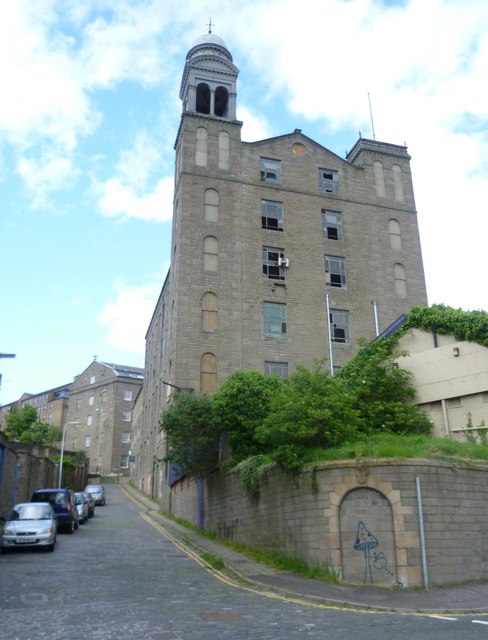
(365, 541)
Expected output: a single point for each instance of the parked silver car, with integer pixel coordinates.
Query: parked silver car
(97, 491)
(30, 524)
(82, 506)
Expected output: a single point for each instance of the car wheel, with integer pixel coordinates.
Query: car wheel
(50, 547)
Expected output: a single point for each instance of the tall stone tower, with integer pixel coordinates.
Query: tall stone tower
(282, 251)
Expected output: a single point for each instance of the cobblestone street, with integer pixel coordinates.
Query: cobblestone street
(118, 577)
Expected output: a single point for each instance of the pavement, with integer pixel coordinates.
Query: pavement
(467, 598)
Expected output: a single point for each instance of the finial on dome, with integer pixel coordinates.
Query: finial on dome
(210, 25)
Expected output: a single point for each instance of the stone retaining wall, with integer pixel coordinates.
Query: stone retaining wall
(361, 519)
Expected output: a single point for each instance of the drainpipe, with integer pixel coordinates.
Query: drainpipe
(445, 418)
(422, 534)
(331, 354)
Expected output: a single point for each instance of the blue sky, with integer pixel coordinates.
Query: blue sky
(89, 115)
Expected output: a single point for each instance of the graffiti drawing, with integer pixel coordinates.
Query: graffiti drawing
(365, 542)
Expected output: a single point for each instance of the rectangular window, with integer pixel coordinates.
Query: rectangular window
(91, 400)
(339, 325)
(274, 263)
(125, 438)
(270, 170)
(126, 415)
(128, 395)
(89, 421)
(279, 369)
(92, 380)
(335, 271)
(274, 319)
(331, 225)
(124, 462)
(87, 441)
(453, 402)
(272, 215)
(329, 181)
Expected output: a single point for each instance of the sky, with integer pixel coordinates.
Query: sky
(89, 112)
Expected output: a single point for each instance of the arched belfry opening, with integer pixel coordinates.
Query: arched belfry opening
(208, 86)
(221, 100)
(203, 98)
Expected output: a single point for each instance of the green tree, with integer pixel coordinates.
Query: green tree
(241, 405)
(42, 433)
(192, 433)
(310, 410)
(381, 391)
(19, 421)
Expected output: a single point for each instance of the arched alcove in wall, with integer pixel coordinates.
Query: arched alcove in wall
(367, 538)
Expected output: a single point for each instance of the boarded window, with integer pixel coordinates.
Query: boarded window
(208, 373)
(211, 206)
(210, 254)
(400, 276)
(209, 311)
(201, 147)
(224, 150)
(398, 183)
(379, 179)
(395, 234)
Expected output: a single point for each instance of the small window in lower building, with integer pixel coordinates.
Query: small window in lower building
(279, 369)
(87, 441)
(126, 415)
(329, 181)
(125, 438)
(272, 215)
(124, 462)
(453, 402)
(331, 225)
(270, 170)
(339, 326)
(274, 263)
(274, 319)
(335, 271)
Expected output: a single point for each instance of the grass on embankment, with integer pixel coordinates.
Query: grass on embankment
(388, 445)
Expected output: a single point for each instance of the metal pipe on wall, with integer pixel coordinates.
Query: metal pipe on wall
(422, 534)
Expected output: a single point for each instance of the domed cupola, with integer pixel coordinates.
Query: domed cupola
(208, 86)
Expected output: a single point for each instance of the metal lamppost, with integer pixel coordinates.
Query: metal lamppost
(62, 452)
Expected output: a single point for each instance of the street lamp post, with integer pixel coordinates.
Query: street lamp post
(62, 452)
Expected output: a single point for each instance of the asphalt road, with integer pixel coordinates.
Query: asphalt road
(119, 577)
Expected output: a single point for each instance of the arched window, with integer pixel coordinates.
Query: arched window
(208, 373)
(210, 254)
(209, 311)
(395, 234)
(203, 98)
(201, 147)
(211, 205)
(398, 182)
(379, 178)
(400, 280)
(224, 150)
(221, 101)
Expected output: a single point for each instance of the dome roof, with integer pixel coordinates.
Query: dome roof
(209, 44)
(209, 38)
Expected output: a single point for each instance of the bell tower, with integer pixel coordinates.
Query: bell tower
(208, 86)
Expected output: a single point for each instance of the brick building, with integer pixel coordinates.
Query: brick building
(282, 251)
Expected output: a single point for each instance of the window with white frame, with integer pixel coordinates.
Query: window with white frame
(279, 369)
(331, 225)
(126, 415)
(329, 181)
(270, 170)
(89, 421)
(128, 395)
(124, 461)
(339, 325)
(87, 441)
(335, 271)
(275, 319)
(91, 400)
(92, 380)
(125, 437)
(272, 215)
(274, 263)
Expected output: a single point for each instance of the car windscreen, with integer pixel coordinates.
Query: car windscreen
(31, 512)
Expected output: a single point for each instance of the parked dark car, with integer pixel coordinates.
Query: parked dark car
(91, 504)
(97, 491)
(81, 506)
(29, 525)
(64, 504)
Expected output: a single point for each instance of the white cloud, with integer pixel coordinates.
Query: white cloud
(131, 192)
(126, 318)
(255, 127)
(46, 174)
